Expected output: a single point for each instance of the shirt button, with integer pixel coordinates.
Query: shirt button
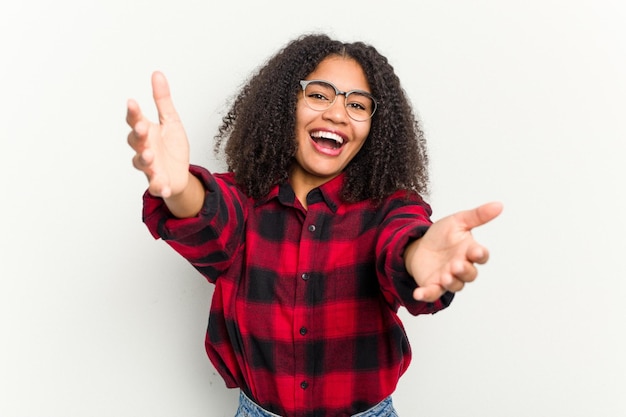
(311, 228)
(304, 385)
(303, 330)
(305, 276)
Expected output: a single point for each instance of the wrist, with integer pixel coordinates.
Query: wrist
(188, 202)
(409, 256)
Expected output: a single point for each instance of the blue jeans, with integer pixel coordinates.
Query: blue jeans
(248, 408)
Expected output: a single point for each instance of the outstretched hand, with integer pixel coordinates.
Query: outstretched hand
(445, 258)
(162, 149)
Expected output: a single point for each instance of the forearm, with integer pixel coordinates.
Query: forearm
(189, 202)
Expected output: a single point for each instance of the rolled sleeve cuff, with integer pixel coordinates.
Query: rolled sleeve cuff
(405, 284)
(163, 224)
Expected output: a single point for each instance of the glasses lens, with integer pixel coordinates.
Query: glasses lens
(360, 106)
(319, 95)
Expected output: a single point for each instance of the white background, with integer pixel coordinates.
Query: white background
(523, 101)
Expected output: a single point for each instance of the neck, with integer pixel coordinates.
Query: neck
(303, 182)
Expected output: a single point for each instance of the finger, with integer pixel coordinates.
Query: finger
(133, 113)
(480, 215)
(162, 98)
(132, 139)
(429, 293)
(138, 136)
(477, 254)
(157, 185)
(460, 273)
(143, 160)
(455, 285)
(159, 188)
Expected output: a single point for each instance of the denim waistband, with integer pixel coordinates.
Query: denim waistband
(248, 408)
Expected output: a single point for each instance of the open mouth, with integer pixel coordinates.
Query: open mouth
(327, 140)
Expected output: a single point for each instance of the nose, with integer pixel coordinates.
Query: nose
(337, 112)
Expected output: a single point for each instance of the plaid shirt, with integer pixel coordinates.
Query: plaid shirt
(303, 317)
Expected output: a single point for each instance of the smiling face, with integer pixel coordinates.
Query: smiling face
(328, 140)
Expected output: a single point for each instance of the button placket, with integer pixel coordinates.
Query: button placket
(308, 261)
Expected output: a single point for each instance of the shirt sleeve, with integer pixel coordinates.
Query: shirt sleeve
(210, 239)
(405, 222)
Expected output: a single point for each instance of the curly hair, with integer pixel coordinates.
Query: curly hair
(258, 132)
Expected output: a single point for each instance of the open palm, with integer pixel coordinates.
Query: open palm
(162, 149)
(444, 258)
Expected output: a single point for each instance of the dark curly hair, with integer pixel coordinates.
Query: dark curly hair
(259, 129)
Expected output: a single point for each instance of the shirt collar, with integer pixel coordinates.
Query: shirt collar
(329, 193)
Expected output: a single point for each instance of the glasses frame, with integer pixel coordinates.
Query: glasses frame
(338, 92)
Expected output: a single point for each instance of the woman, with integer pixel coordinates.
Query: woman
(317, 233)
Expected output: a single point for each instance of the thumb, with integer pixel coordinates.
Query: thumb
(163, 98)
(480, 215)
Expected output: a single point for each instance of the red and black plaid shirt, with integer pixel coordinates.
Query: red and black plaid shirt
(303, 317)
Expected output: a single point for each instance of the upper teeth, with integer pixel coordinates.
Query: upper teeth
(328, 135)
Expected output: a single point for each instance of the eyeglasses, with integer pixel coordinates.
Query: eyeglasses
(320, 95)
